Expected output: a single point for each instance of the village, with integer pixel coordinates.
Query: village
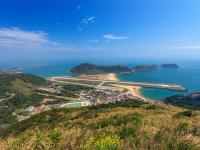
(78, 92)
(91, 97)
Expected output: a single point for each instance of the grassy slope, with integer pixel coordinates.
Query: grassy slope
(21, 86)
(187, 101)
(131, 125)
(19, 91)
(19, 83)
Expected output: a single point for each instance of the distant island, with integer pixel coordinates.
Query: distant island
(91, 69)
(14, 70)
(153, 67)
(169, 66)
(145, 67)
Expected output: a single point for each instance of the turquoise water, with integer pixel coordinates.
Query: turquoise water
(187, 75)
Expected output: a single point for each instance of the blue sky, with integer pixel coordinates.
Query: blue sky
(134, 29)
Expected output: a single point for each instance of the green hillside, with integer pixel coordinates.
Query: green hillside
(191, 100)
(20, 91)
(128, 125)
(16, 92)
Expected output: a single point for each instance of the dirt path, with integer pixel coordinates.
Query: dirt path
(7, 98)
(62, 97)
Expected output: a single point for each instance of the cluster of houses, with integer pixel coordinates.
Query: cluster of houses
(87, 98)
(104, 96)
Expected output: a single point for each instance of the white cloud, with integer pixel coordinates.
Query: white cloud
(114, 37)
(16, 38)
(91, 18)
(186, 47)
(94, 48)
(92, 41)
(17, 35)
(88, 20)
(176, 41)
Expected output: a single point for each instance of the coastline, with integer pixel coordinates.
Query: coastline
(133, 90)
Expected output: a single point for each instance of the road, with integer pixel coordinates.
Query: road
(7, 98)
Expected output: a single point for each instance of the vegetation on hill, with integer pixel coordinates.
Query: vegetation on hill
(128, 125)
(145, 67)
(19, 83)
(191, 101)
(91, 69)
(16, 92)
(169, 66)
(19, 91)
(125, 125)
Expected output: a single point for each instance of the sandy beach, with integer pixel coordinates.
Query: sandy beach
(107, 77)
(134, 90)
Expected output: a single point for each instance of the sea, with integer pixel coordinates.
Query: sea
(188, 74)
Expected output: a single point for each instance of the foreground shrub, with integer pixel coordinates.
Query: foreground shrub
(182, 128)
(188, 113)
(39, 141)
(154, 107)
(107, 142)
(55, 136)
(101, 142)
(118, 120)
(20, 141)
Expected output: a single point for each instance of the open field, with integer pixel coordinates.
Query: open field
(108, 77)
(81, 81)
